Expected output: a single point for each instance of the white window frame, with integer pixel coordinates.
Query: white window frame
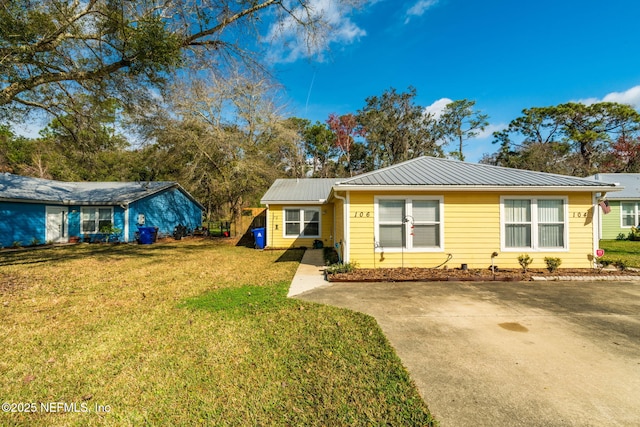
(636, 214)
(96, 230)
(301, 222)
(408, 238)
(534, 224)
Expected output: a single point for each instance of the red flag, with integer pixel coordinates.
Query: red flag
(605, 206)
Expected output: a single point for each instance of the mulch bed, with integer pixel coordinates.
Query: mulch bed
(457, 275)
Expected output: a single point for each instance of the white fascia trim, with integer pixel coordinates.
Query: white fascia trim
(294, 202)
(347, 228)
(345, 224)
(440, 188)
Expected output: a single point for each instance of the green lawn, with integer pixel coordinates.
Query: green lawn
(627, 251)
(194, 332)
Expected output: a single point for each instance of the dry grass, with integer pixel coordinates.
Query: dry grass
(187, 333)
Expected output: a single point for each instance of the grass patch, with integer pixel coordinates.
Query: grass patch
(625, 251)
(242, 301)
(188, 333)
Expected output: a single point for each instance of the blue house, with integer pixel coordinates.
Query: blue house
(34, 210)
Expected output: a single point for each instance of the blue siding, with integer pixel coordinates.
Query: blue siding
(21, 222)
(24, 222)
(118, 221)
(165, 210)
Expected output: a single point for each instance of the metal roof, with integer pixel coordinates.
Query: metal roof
(630, 182)
(299, 190)
(27, 189)
(438, 172)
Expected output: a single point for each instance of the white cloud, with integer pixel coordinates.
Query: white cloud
(630, 97)
(437, 107)
(292, 42)
(419, 8)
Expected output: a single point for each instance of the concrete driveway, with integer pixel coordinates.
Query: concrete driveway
(511, 354)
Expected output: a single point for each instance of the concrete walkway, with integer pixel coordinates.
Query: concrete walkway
(310, 273)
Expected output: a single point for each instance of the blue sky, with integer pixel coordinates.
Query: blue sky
(506, 55)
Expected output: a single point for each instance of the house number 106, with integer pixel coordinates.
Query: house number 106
(360, 214)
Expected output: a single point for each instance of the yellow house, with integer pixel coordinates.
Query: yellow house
(430, 212)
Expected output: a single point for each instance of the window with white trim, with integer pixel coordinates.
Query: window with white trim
(537, 223)
(302, 222)
(629, 214)
(408, 223)
(93, 219)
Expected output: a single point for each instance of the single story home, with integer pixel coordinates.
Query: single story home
(624, 205)
(430, 212)
(34, 210)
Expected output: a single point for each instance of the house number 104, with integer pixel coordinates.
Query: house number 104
(360, 214)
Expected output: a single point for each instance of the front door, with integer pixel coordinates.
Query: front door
(57, 224)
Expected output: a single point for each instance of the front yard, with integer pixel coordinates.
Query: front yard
(626, 252)
(194, 332)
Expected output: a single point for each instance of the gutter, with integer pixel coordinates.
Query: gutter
(62, 202)
(125, 231)
(345, 225)
(293, 202)
(485, 188)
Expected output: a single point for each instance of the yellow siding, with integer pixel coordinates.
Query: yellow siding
(275, 227)
(471, 224)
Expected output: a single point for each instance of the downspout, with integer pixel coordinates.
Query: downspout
(597, 228)
(126, 222)
(266, 228)
(345, 224)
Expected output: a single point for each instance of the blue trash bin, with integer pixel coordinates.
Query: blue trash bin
(146, 235)
(259, 237)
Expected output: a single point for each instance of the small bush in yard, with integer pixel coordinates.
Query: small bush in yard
(621, 264)
(525, 260)
(341, 268)
(552, 263)
(605, 262)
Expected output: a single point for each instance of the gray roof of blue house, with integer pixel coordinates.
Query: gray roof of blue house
(630, 182)
(438, 172)
(36, 190)
(299, 190)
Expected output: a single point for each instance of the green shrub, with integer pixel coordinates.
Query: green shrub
(552, 263)
(621, 236)
(525, 260)
(605, 262)
(341, 268)
(622, 264)
(16, 244)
